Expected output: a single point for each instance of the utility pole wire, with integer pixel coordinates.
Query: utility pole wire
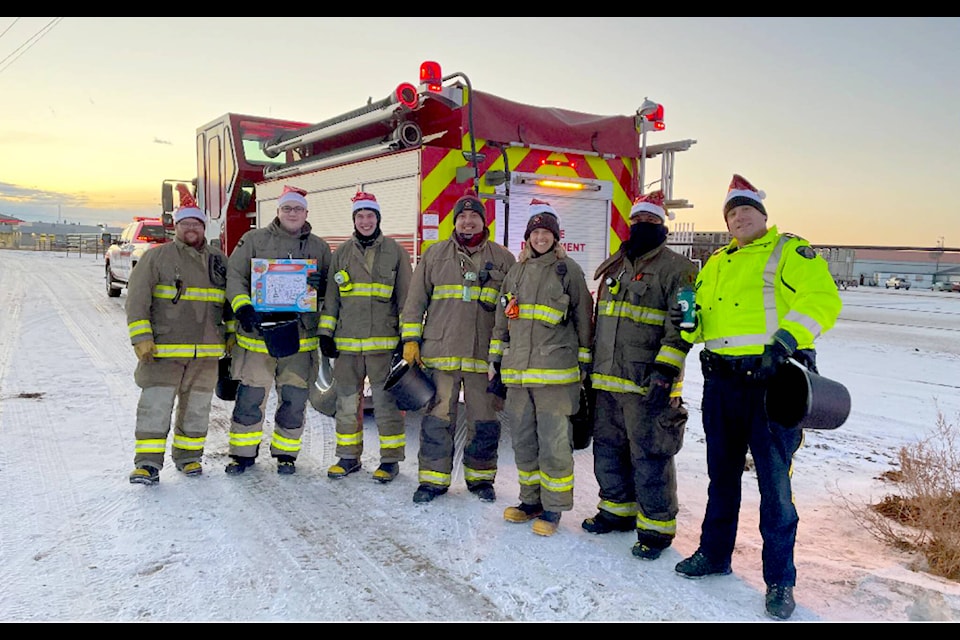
(28, 43)
(15, 21)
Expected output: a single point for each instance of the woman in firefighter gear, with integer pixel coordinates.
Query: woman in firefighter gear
(761, 299)
(360, 327)
(175, 314)
(445, 326)
(539, 351)
(637, 376)
(287, 236)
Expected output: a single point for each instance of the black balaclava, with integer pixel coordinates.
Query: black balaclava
(366, 241)
(644, 236)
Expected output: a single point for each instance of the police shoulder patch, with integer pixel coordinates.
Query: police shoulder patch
(807, 251)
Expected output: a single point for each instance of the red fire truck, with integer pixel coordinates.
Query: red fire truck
(418, 150)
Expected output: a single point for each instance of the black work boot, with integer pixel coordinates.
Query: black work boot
(286, 465)
(484, 491)
(344, 467)
(427, 492)
(779, 602)
(605, 522)
(239, 464)
(700, 566)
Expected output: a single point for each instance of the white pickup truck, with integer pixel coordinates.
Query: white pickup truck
(122, 256)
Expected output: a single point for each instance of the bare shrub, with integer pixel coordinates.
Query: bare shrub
(925, 516)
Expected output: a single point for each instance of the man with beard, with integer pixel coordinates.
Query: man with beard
(175, 314)
(446, 326)
(360, 327)
(638, 364)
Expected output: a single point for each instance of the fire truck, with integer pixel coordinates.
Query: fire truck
(418, 150)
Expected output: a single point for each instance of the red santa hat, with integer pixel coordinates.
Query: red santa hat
(542, 216)
(293, 195)
(651, 203)
(188, 207)
(364, 200)
(740, 193)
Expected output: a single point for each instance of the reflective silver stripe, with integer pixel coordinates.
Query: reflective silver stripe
(805, 321)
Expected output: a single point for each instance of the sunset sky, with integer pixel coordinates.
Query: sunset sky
(849, 125)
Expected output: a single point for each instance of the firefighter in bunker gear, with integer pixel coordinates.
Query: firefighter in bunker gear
(361, 315)
(637, 376)
(764, 296)
(543, 353)
(449, 316)
(175, 314)
(287, 236)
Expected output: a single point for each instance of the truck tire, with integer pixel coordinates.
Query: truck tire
(112, 291)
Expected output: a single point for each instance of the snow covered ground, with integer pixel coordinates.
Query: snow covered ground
(79, 543)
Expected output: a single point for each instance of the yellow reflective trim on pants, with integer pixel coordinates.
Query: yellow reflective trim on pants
(529, 478)
(668, 527)
(187, 443)
(557, 485)
(393, 442)
(251, 439)
(474, 475)
(285, 444)
(434, 477)
(349, 439)
(151, 446)
(622, 509)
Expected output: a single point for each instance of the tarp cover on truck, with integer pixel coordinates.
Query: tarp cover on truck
(502, 120)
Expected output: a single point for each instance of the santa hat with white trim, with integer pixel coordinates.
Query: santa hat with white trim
(293, 195)
(188, 207)
(364, 200)
(740, 193)
(651, 203)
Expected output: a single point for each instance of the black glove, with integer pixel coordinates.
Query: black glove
(315, 280)
(328, 346)
(658, 393)
(775, 354)
(496, 386)
(676, 317)
(248, 318)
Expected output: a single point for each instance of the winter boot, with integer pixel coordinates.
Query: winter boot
(344, 467)
(191, 469)
(286, 465)
(546, 523)
(239, 464)
(386, 472)
(605, 522)
(145, 475)
(523, 512)
(484, 491)
(645, 552)
(427, 492)
(700, 566)
(779, 602)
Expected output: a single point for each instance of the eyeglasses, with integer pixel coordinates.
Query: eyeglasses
(287, 209)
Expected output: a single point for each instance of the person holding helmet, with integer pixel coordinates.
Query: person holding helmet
(541, 350)
(177, 322)
(360, 327)
(290, 236)
(445, 326)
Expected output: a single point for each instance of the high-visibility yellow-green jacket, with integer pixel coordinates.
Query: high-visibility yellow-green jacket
(744, 294)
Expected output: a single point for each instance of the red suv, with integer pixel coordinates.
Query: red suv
(138, 236)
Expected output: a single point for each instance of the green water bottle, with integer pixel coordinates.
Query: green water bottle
(686, 300)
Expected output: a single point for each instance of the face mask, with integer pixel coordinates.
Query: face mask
(644, 236)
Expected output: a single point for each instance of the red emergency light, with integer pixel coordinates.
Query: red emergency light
(656, 118)
(431, 77)
(559, 163)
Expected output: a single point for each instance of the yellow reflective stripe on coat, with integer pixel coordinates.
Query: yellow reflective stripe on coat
(251, 439)
(139, 328)
(285, 444)
(393, 442)
(360, 345)
(614, 384)
(239, 301)
(328, 322)
(488, 294)
(451, 292)
(636, 313)
(259, 346)
(437, 478)
(541, 376)
(453, 363)
(671, 356)
(584, 355)
(189, 351)
(368, 290)
(497, 347)
(541, 312)
(151, 446)
(167, 292)
(187, 443)
(556, 485)
(411, 330)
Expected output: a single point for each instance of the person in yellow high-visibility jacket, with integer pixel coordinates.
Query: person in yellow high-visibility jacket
(760, 300)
